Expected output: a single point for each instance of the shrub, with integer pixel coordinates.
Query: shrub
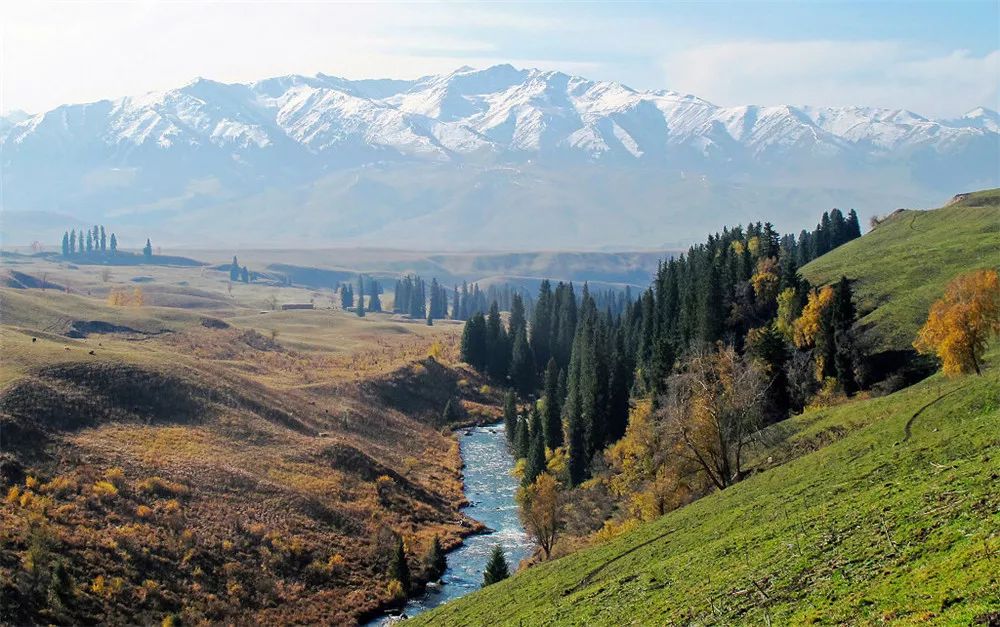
(158, 486)
(60, 486)
(395, 590)
(104, 489)
(116, 476)
(31, 482)
(613, 529)
(383, 487)
(144, 511)
(13, 495)
(435, 351)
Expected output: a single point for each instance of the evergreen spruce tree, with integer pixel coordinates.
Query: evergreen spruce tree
(541, 326)
(522, 439)
(244, 274)
(842, 308)
(435, 562)
(510, 416)
(522, 365)
(398, 568)
(147, 250)
(619, 385)
(104, 240)
(473, 349)
(842, 318)
(789, 273)
(430, 320)
(713, 312)
(579, 460)
(565, 325)
(72, 242)
(359, 299)
(535, 461)
(552, 420)
(65, 244)
(496, 568)
(234, 270)
(114, 244)
(838, 228)
(374, 303)
(497, 349)
(804, 248)
(518, 322)
(90, 242)
(853, 225)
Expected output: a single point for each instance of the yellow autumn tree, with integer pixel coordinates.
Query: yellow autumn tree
(121, 297)
(645, 473)
(542, 511)
(961, 323)
(785, 320)
(810, 323)
(765, 279)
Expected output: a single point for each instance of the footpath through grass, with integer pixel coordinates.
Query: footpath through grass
(903, 265)
(897, 520)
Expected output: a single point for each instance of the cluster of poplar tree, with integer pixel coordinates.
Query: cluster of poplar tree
(240, 273)
(740, 289)
(349, 298)
(89, 241)
(411, 298)
(414, 297)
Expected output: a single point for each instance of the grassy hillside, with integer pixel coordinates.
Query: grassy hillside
(877, 510)
(897, 520)
(902, 265)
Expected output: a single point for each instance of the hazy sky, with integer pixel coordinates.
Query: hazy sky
(939, 59)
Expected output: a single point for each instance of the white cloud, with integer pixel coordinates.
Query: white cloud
(876, 73)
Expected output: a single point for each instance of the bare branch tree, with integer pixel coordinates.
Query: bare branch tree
(713, 411)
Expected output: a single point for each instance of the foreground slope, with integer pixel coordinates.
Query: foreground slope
(896, 520)
(901, 266)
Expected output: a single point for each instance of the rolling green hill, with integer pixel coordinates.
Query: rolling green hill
(902, 265)
(897, 520)
(884, 510)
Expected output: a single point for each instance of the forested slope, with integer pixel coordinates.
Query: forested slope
(903, 264)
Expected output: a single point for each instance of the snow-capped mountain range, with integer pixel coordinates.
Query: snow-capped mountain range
(474, 157)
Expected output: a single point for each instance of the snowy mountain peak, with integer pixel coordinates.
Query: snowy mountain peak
(286, 137)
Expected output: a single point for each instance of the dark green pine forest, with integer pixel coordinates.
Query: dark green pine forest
(741, 289)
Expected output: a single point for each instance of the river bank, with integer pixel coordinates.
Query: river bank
(490, 490)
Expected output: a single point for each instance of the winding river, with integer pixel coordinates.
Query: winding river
(490, 490)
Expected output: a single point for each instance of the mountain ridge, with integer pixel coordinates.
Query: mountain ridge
(330, 148)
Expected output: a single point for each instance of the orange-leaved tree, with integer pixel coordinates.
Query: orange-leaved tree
(961, 322)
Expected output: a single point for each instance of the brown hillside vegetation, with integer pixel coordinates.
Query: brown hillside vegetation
(219, 465)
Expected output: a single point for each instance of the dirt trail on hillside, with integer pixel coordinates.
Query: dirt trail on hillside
(908, 429)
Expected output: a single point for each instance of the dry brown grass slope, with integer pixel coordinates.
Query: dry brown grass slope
(218, 464)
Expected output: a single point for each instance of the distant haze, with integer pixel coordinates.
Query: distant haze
(499, 158)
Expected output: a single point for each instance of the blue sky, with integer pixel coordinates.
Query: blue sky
(936, 58)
